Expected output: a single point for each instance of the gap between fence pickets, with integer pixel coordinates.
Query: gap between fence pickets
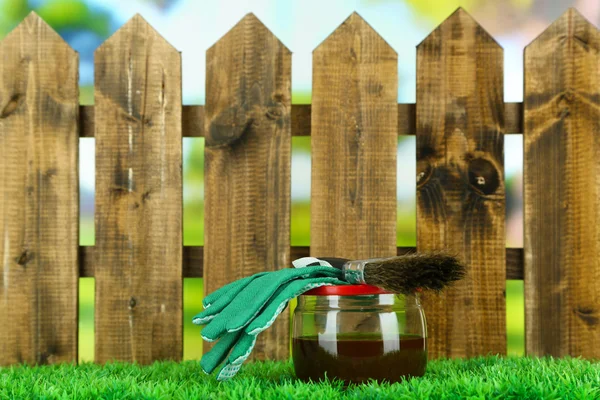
(193, 260)
(192, 120)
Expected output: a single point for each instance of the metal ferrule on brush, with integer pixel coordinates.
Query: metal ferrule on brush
(354, 271)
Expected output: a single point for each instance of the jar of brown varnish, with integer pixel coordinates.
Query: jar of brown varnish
(358, 332)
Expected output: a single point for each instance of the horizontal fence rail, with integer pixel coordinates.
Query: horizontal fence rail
(193, 260)
(138, 122)
(192, 119)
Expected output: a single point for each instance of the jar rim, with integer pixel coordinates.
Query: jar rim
(345, 290)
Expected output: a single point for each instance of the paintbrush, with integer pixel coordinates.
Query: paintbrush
(403, 274)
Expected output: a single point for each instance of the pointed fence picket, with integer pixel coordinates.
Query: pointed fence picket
(247, 164)
(138, 251)
(353, 144)
(138, 122)
(562, 190)
(460, 183)
(39, 201)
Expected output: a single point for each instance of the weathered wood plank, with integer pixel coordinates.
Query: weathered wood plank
(193, 260)
(193, 120)
(562, 189)
(301, 116)
(460, 189)
(354, 140)
(138, 197)
(407, 119)
(87, 127)
(247, 164)
(513, 118)
(39, 207)
(514, 263)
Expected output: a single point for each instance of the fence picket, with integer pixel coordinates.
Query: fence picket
(138, 252)
(562, 190)
(39, 203)
(460, 183)
(354, 141)
(247, 164)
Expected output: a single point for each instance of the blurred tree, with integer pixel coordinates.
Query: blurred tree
(11, 13)
(74, 14)
(61, 15)
(194, 167)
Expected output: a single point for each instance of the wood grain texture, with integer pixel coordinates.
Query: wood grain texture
(138, 197)
(39, 207)
(460, 183)
(247, 165)
(513, 118)
(354, 140)
(193, 260)
(87, 127)
(301, 116)
(562, 189)
(193, 119)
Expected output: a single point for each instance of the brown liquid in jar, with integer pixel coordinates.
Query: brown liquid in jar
(358, 359)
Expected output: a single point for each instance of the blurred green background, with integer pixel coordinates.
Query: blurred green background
(193, 26)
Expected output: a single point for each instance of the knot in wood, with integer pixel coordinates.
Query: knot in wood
(587, 315)
(48, 356)
(228, 127)
(563, 113)
(25, 258)
(425, 171)
(483, 176)
(275, 112)
(12, 105)
(568, 96)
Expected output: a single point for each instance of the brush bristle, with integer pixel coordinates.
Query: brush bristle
(407, 273)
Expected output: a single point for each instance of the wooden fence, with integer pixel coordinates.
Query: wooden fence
(138, 121)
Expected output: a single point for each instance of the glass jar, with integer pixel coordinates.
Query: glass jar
(358, 332)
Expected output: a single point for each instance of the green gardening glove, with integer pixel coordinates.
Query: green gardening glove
(239, 344)
(234, 306)
(220, 298)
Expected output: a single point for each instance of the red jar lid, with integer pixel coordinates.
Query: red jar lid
(345, 290)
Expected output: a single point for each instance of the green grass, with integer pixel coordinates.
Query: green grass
(490, 378)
